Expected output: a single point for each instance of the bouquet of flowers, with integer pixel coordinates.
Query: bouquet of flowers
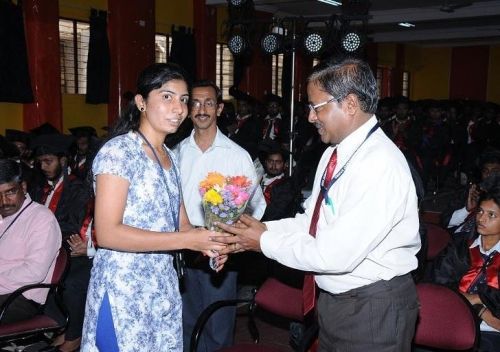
(224, 198)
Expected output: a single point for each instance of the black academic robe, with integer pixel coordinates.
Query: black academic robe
(454, 263)
(72, 206)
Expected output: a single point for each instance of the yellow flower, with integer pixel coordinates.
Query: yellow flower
(211, 196)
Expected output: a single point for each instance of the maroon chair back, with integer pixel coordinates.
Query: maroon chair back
(280, 299)
(446, 320)
(39, 323)
(437, 239)
(60, 267)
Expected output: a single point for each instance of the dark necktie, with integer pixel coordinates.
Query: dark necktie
(309, 288)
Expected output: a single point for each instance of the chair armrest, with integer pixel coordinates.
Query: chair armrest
(206, 314)
(18, 292)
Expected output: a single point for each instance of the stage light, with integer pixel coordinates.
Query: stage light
(351, 41)
(237, 44)
(271, 43)
(237, 3)
(314, 42)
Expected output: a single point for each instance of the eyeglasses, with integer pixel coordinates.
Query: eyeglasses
(319, 105)
(10, 193)
(208, 104)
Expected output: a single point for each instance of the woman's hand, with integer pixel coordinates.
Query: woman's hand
(200, 240)
(472, 298)
(490, 319)
(77, 246)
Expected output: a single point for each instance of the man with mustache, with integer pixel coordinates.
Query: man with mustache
(358, 237)
(206, 150)
(29, 243)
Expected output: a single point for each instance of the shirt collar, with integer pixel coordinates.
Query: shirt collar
(277, 117)
(477, 242)
(219, 140)
(352, 141)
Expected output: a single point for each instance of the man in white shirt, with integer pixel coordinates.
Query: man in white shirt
(367, 231)
(206, 150)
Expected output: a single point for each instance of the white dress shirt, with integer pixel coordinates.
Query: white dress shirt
(225, 157)
(371, 234)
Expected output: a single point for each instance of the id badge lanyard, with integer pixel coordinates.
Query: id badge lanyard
(326, 188)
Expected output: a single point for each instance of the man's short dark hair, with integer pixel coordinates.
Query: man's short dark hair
(347, 76)
(208, 83)
(489, 156)
(10, 171)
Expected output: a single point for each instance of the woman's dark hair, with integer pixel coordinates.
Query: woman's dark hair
(490, 189)
(152, 77)
(10, 171)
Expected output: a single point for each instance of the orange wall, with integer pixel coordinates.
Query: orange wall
(429, 73)
(493, 88)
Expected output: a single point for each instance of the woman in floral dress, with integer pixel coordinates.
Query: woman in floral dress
(133, 301)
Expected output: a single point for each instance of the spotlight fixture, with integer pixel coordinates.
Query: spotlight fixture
(237, 3)
(314, 42)
(351, 41)
(271, 43)
(237, 44)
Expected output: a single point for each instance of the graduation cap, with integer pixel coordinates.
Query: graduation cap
(44, 129)
(7, 149)
(83, 131)
(17, 136)
(52, 144)
(269, 98)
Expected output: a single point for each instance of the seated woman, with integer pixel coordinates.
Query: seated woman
(473, 266)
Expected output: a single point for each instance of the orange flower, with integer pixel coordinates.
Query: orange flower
(240, 181)
(212, 179)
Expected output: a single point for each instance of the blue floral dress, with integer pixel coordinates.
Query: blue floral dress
(137, 292)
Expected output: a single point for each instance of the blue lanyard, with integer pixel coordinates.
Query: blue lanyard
(324, 190)
(162, 173)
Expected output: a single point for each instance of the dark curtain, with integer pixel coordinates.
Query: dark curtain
(98, 64)
(15, 83)
(183, 51)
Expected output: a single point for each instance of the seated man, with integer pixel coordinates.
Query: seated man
(30, 239)
(473, 266)
(279, 191)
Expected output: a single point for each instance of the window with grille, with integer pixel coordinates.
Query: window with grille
(224, 69)
(74, 48)
(163, 44)
(277, 72)
(406, 84)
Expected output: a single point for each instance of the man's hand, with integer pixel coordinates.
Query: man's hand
(472, 198)
(247, 232)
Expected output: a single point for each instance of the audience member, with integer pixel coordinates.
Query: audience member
(80, 160)
(30, 239)
(70, 200)
(472, 266)
(460, 215)
(274, 125)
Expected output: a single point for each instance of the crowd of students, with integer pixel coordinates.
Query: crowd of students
(440, 139)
